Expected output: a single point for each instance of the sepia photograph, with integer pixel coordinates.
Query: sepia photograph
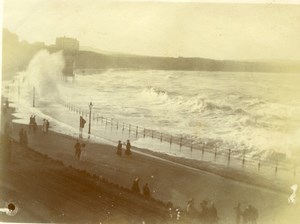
(150, 112)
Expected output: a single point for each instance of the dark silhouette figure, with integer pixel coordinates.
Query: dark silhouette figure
(250, 215)
(128, 148)
(34, 125)
(204, 214)
(213, 214)
(30, 126)
(77, 147)
(146, 191)
(190, 209)
(238, 212)
(135, 186)
(47, 126)
(119, 148)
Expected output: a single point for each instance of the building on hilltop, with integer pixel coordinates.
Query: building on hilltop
(67, 43)
(70, 48)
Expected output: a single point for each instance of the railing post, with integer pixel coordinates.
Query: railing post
(129, 130)
(144, 132)
(123, 127)
(171, 140)
(180, 144)
(258, 165)
(111, 123)
(215, 154)
(276, 167)
(191, 145)
(160, 137)
(152, 133)
(136, 131)
(202, 151)
(106, 122)
(243, 161)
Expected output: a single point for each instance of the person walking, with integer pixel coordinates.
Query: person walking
(239, 213)
(47, 126)
(77, 147)
(83, 152)
(146, 191)
(128, 148)
(119, 148)
(213, 214)
(30, 126)
(44, 126)
(135, 186)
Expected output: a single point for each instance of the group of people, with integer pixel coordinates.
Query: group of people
(80, 150)
(136, 188)
(127, 150)
(32, 124)
(249, 215)
(23, 138)
(208, 213)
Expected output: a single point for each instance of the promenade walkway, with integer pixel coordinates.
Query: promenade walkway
(174, 181)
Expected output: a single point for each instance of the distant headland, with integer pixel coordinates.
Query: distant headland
(17, 55)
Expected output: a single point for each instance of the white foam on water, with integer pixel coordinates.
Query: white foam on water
(242, 111)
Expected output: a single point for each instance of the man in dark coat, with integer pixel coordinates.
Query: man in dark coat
(135, 186)
(146, 191)
(77, 147)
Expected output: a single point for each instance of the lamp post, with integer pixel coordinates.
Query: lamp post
(90, 106)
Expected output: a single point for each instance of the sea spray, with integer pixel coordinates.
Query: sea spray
(44, 72)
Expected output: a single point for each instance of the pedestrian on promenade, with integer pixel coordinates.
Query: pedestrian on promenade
(204, 212)
(190, 209)
(44, 126)
(146, 191)
(119, 148)
(83, 152)
(47, 126)
(250, 215)
(135, 186)
(238, 212)
(30, 126)
(213, 214)
(77, 147)
(34, 124)
(128, 148)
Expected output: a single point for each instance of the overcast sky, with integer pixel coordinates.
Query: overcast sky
(220, 31)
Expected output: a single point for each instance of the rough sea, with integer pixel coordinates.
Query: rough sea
(257, 112)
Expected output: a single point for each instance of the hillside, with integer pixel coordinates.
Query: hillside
(17, 54)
